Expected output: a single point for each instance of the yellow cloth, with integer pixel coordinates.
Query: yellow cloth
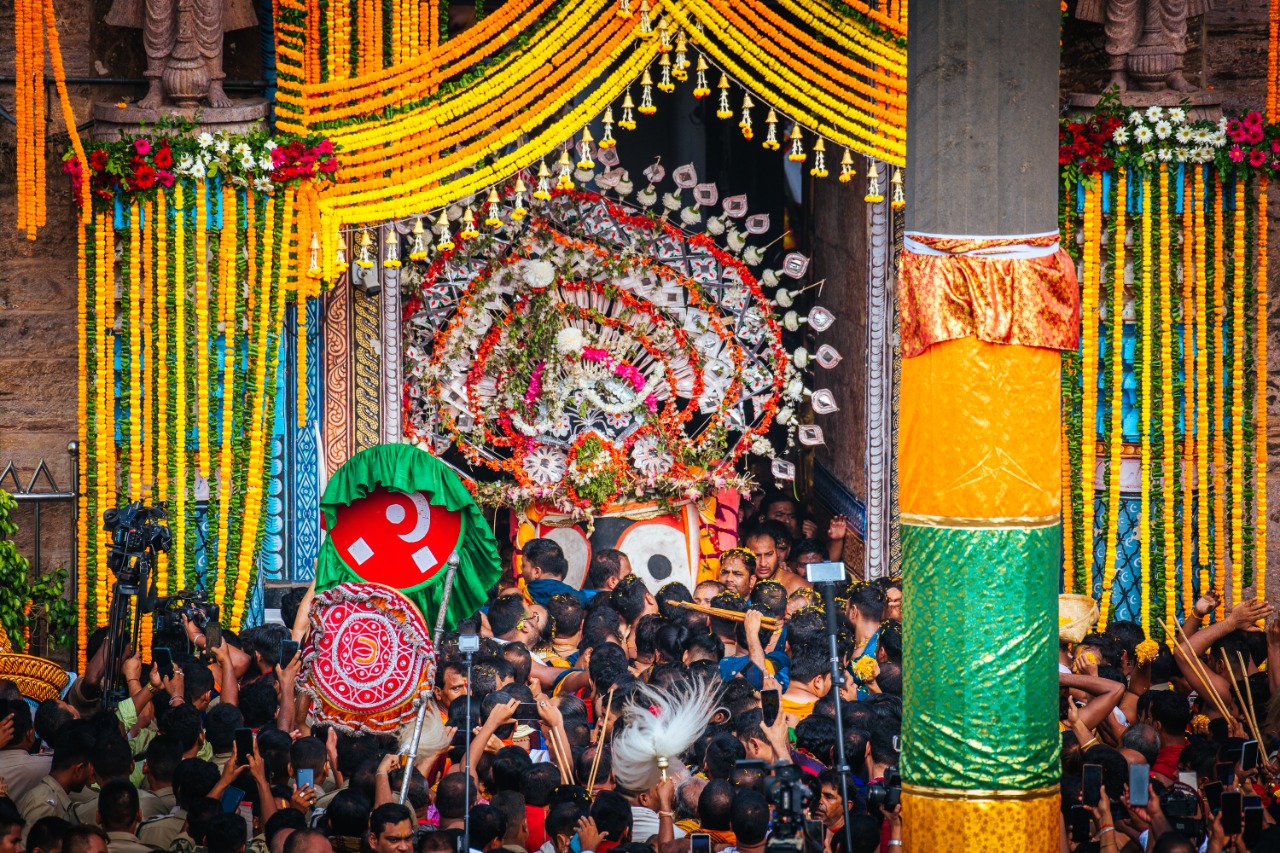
(799, 710)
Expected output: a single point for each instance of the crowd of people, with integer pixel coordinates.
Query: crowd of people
(1165, 747)
(1169, 744)
(220, 752)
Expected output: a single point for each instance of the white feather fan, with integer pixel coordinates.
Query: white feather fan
(649, 741)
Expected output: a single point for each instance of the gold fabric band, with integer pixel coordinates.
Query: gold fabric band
(936, 819)
(975, 794)
(1033, 522)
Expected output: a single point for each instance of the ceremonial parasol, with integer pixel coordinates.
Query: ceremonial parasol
(394, 514)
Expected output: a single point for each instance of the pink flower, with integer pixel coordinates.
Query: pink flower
(1275, 146)
(1234, 127)
(165, 178)
(1238, 135)
(1257, 158)
(142, 147)
(1253, 118)
(1236, 153)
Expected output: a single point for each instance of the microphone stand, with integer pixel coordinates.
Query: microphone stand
(466, 789)
(837, 678)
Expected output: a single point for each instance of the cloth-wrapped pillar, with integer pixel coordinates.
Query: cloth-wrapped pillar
(988, 299)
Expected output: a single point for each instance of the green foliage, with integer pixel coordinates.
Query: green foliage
(16, 589)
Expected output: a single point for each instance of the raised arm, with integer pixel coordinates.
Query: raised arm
(1103, 693)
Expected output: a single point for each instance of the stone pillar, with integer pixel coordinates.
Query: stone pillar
(983, 319)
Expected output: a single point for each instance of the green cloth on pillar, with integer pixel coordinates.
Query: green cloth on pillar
(980, 691)
(405, 468)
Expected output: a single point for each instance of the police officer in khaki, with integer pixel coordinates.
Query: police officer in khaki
(113, 759)
(192, 781)
(69, 773)
(119, 815)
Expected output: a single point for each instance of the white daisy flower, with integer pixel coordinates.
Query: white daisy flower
(1121, 136)
(1163, 129)
(1148, 157)
(1143, 135)
(1182, 155)
(1177, 115)
(1135, 118)
(1164, 155)
(205, 139)
(1154, 114)
(1219, 139)
(1222, 125)
(1184, 135)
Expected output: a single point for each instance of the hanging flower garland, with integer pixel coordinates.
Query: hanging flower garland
(1116, 351)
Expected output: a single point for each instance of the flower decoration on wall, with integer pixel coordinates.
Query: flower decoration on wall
(593, 354)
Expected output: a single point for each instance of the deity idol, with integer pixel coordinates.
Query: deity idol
(183, 40)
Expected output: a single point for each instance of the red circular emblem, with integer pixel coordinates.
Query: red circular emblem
(396, 538)
(368, 658)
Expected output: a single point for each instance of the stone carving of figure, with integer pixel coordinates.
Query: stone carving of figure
(183, 40)
(1146, 39)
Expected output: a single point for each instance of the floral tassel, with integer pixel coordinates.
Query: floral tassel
(1144, 417)
(1219, 423)
(1203, 423)
(1188, 394)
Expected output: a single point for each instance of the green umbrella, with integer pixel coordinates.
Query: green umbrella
(407, 469)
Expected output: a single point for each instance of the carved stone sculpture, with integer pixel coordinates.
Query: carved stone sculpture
(183, 40)
(1146, 39)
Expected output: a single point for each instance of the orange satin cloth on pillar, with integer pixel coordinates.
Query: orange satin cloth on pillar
(1033, 302)
(979, 434)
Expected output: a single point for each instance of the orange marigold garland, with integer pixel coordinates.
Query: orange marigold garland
(1089, 374)
(1188, 270)
(1219, 425)
(176, 576)
(1203, 422)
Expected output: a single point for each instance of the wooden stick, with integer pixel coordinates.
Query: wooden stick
(1248, 709)
(1235, 690)
(1198, 669)
(766, 622)
(604, 730)
(553, 743)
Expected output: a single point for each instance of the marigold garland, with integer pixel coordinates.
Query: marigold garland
(230, 321)
(1187, 268)
(1167, 373)
(1144, 417)
(1089, 374)
(174, 578)
(1203, 422)
(1260, 403)
(147, 441)
(1238, 273)
(200, 249)
(82, 446)
(1116, 352)
(136, 436)
(1219, 422)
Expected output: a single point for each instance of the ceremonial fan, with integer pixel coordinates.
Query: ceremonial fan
(658, 727)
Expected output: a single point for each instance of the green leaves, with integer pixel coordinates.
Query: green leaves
(45, 593)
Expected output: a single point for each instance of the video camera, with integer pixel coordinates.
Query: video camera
(789, 795)
(195, 607)
(138, 533)
(887, 793)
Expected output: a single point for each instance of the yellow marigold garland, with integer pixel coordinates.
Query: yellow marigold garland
(230, 287)
(1144, 422)
(1188, 373)
(147, 442)
(1167, 372)
(1260, 403)
(1116, 316)
(82, 440)
(253, 490)
(1089, 373)
(1219, 438)
(1203, 425)
(201, 250)
(175, 577)
(1238, 265)
(136, 435)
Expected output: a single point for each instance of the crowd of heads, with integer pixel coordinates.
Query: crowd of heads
(219, 751)
(1170, 742)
